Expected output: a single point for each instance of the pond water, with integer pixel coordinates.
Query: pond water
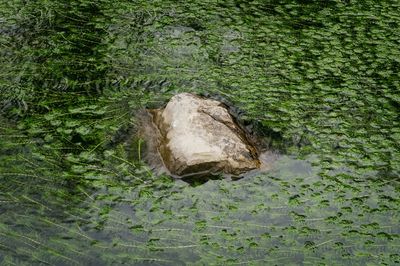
(318, 80)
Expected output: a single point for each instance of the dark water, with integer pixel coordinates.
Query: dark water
(318, 80)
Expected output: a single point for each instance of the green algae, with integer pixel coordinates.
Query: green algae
(321, 78)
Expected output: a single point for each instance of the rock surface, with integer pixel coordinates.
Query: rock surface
(198, 136)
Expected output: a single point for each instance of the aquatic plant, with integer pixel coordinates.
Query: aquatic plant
(321, 78)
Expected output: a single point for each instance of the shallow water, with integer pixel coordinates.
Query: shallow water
(319, 81)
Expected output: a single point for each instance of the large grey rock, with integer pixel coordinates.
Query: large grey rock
(199, 136)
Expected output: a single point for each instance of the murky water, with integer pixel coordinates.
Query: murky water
(318, 81)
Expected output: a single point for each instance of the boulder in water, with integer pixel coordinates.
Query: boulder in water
(198, 136)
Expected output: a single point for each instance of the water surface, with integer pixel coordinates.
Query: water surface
(318, 80)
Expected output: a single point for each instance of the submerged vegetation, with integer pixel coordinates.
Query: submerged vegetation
(320, 79)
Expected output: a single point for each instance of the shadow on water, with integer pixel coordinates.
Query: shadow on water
(74, 41)
(63, 45)
(262, 136)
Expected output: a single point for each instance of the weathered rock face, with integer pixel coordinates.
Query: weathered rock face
(199, 136)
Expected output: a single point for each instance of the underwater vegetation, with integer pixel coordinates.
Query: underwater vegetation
(319, 80)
